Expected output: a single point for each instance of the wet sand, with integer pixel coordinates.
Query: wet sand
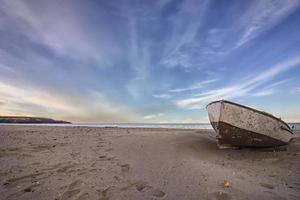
(112, 163)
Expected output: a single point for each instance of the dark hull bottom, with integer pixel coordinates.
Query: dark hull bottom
(229, 135)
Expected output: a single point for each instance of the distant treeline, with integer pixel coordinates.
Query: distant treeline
(30, 120)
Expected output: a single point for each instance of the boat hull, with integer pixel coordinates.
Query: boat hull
(242, 126)
(229, 135)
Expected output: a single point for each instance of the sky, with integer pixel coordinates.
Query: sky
(148, 61)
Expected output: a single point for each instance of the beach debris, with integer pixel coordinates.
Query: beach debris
(36, 182)
(6, 183)
(226, 184)
(28, 190)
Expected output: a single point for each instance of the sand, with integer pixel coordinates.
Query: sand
(39, 162)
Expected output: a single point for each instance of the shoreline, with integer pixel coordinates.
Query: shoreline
(57, 162)
(193, 126)
(188, 126)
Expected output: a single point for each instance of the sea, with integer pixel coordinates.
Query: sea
(294, 126)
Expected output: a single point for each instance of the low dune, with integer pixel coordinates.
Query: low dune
(30, 120)
(39, 162)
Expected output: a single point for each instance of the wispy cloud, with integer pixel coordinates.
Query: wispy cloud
(162, 96)
(262, 16)
(180, 37)
(4, 68)
(278, 83)
(185, 50)
(259, 17)
(25, 100)
(177, 91)
(139, 55)
(270, 89)
(196, 86)
(15, 98)
(239, 89)
(59, 27)
(264, 93)
(152, 116)
(184, 33)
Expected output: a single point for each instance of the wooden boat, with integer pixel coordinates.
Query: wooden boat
(242, 126)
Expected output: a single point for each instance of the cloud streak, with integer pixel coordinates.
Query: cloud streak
(17, 100)
(263, 16)
(196, 86)
(62, 30)
(218, 42)
(15, 97)
(147, 117)
(241, 89)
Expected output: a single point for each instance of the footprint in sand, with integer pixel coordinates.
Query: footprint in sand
(25, 177)
(74, 191)
(158, 193)
(267, 185)
(105, 158)
(109, 149)
(222, 196)
(125, 168)
(143, 186)
(107, 192)
(66, 168)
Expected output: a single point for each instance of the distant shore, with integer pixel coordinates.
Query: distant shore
(30, 120)
(51, 162)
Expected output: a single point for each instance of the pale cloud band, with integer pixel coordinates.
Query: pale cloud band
(241, 88)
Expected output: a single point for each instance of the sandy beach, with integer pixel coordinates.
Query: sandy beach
(39, 162)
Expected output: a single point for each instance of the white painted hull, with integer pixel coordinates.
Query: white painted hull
(253, 127)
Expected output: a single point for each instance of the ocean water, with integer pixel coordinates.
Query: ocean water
(152, 125)
(294, 126)
(127, 125)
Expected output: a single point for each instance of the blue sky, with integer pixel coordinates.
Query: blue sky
(148, 61)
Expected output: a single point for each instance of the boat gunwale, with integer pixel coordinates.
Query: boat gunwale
(253, 109)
